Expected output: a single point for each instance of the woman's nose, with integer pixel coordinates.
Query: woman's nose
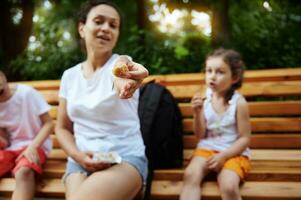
(105, 26)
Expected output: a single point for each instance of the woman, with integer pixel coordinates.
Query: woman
(98, 113)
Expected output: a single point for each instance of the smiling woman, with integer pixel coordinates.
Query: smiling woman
(86, 125)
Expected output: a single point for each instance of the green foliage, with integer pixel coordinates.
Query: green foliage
(267, 38)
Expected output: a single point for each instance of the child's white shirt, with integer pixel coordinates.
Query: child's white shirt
(221, 128)
(102, 122)
(20, 116)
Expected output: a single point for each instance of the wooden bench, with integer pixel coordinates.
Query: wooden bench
(275, 107)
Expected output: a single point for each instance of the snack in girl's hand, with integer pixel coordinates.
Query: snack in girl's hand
(120, 70)
(107, 157)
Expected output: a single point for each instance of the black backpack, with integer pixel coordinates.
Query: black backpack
(161, 128)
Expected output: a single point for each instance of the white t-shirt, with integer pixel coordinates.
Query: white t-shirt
(221, 131)
(20, 116)
(102, 122)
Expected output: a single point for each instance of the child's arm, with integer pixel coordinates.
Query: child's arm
(45, 131)
(199, 123)
(244, 131)
(3, 139)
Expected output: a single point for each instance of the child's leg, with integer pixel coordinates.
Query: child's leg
(228, 181)
(24, 173)
(25, 184)
(194, 174)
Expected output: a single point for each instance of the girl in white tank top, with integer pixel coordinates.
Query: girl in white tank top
(222, 125)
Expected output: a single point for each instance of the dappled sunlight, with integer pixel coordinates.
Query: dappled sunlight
(179, 21)
(267, 6)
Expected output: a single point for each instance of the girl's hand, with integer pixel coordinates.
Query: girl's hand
(31, 153)
(87, 162)
(216, 162)
(197, 102)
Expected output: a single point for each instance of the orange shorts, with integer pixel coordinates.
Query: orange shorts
(239, 164)
(8, 161)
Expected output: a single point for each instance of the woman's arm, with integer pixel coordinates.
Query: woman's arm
(64, 130)
(64, 133)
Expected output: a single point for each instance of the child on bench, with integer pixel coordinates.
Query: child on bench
(222, 125)
(25, 126)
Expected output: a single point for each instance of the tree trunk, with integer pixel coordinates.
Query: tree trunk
(14, 37)
(141, 19)
(221, 23)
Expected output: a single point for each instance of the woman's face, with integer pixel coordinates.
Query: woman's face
(101, 30)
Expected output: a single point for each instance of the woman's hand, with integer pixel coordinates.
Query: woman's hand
(216, 162)
(85, 159)
(133, 70)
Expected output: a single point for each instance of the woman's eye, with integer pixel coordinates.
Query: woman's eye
(113, 25)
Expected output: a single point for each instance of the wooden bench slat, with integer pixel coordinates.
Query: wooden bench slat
(263, 141)
(292, 124)
(249, 190)
(267, 89)
(266, 108)
(171, 189)
(261, 171)
(256, 154)
(267, 140)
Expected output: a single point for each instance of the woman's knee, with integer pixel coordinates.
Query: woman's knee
(24, 173)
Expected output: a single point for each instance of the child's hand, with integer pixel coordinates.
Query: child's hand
(197, 101)
(31, 153)
(87, 162)
(216, 162)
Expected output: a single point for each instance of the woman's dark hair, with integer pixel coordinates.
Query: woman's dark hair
(236, 64)
(88, 5)
(86, 8)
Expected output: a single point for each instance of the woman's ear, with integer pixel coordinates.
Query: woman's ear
(81, 29)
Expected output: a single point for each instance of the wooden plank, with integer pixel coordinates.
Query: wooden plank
(249, 190)
(279, 124)
(261, 171)
(264, 108)
(266, 89)
(256, 154)
(259, 141)
(171, 189)
(250, 76)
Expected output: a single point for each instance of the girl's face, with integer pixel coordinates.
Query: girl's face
(218, 75)
(101, 30)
